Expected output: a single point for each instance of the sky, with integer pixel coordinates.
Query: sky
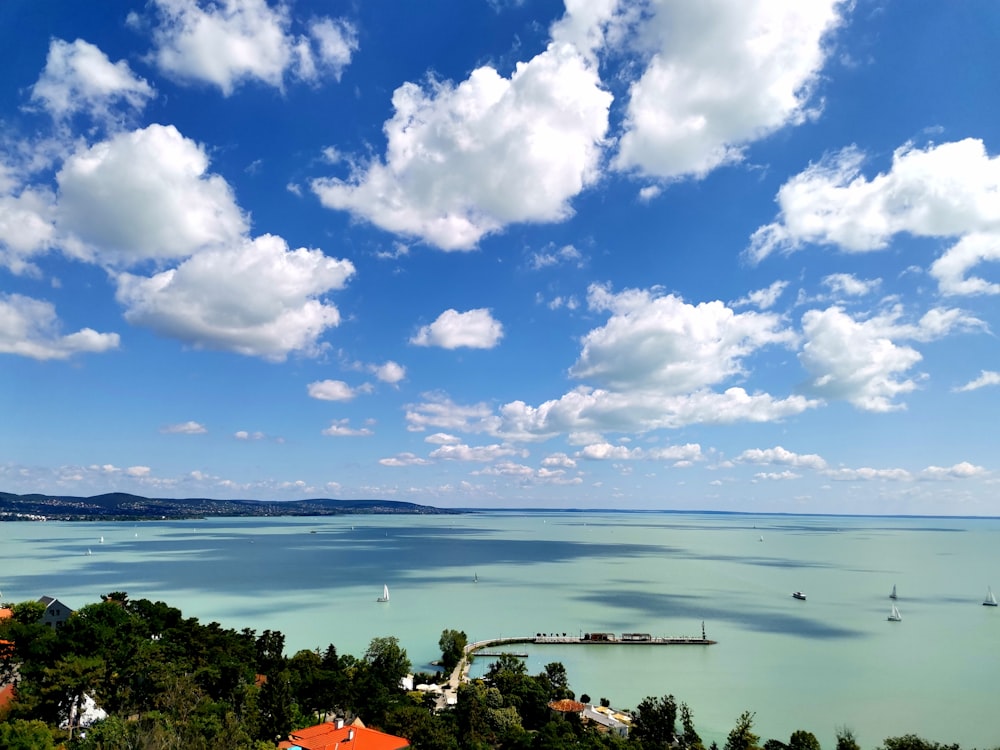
(729, 255)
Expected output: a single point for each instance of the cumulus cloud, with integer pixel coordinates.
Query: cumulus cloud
(782, 457)
(848, 285)
(331, 390)
(342, 428)
(30, 328)
(146, 195)
(688, 113)
(184, 428)
(27, 227)
(390, 372)
(475, 329)
(682, 454)
(663, 343)
(946, 190)
(79, 77)
(480, 453)
(963, 470)
(234, 41)
(763, 299)
(868, 474)
(257, 298)
(439, 411)
(404, 459)
(245, 435)
(986, 378)
(465, 160)
(857, 360)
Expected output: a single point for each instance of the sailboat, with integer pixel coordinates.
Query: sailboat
(990, 600)
(475, 577)
(385, 595)
(893, 594)
(894, 616)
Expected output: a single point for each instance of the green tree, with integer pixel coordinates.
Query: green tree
(913, 742)
(742, 737)
(452, 644)
(558, 681)
(270, 652)
(277, 709)
(25, 735)
(655, 721)
(803, 740)
(689, 737)
(846, 740)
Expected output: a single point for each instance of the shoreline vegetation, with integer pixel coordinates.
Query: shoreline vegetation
(164, 681)
(120, 506)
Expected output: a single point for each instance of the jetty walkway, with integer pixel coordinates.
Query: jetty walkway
(460, 673)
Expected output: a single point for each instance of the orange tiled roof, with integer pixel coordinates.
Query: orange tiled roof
(6, 696)
(6, 613)
(349, 737)
(567, 706)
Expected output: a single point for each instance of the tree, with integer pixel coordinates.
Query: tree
(689, 737)
(387, 661)
(913, 742)
(742, 736)
(452, 644)
(555, 674)
(846, 740)
(25, 735)
(803, 740)
(655, 721)
(276, 707)
(270, 652)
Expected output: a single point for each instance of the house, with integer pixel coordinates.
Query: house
(56, 613)
(6, 697)
(607, 719)
(339, 736)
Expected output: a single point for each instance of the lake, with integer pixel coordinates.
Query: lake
(828, 662)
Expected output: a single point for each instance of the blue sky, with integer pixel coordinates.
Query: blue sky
(728, 255)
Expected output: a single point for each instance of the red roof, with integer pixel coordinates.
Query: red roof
(6, 696)
(567, 706)
(6, 613)
(327, 736)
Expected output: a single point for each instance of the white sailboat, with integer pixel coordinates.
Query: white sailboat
(893, 594)
(894, 616)
(990, 600)
(475, 577)
(385, 595)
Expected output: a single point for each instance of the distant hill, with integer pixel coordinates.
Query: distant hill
(119, 505)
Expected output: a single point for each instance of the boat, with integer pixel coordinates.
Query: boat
(799, 595)
(893, 594)
(990, 600)
(385, 595)
(894, 616)
(761, 539)
(475, 577)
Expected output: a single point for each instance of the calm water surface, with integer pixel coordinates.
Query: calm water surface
(831, 661)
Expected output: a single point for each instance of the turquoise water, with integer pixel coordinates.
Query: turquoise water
(831, 661)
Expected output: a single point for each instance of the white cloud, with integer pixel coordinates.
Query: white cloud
(763, 299)
(465, 160)
(331, 390)
(244, 435)
(342, 428)
(79, 77)
(666, 344)
(481, 453)
(681, 454)
(948, 190)
(986, 378)
(232, 41)
(769, 476)
(26, 227)
(184, 428)
(258, 298)
(439, 411)
(952, 269)
(689, 113)
(390, 372)
(553, 257)
(848, 285)
(30, 328)
(475, 329)
(138, 471)
(560, 460)
(649, 192)
(404, 459)
(962, 470)
(146, 195)
(782, 457)
(868, 474)
(857, 360)
(442, 438)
